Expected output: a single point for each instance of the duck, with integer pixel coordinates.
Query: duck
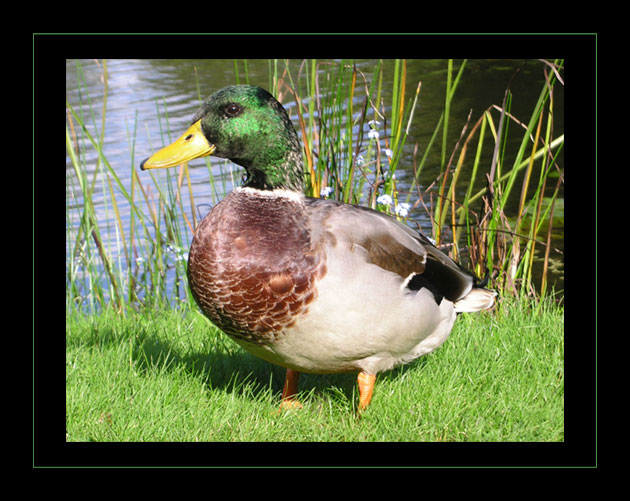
(310, 284)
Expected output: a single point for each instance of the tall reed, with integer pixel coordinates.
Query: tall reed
(354, 140)
(504, 241)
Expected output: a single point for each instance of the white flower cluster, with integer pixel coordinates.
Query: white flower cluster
(401, 209)
(384, 200)
(373, 134)
(179, 253)
(324, 192)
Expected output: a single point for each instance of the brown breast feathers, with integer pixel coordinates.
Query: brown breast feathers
(252, 266)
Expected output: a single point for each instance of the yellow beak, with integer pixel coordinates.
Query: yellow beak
(192, 144)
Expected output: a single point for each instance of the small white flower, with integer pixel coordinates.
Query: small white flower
(384, 200)
(360, 160)
(178, 253)
(324, 192)
(402, 209)
(139, 259)
(388, 152)
(372, 123)
(373, 134)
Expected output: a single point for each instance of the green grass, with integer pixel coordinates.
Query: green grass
(173, 377)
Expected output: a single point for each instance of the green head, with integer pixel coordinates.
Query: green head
(250, 127)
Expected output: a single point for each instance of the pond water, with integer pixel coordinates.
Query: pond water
(142, 93)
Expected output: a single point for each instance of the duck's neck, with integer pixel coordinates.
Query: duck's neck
(277, 166)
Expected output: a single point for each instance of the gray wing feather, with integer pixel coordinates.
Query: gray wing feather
(391, 245)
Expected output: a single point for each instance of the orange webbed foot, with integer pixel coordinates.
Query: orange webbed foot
(289, 391)
(366, 387)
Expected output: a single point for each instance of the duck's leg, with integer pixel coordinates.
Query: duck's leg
(290, 390)
(366, 387)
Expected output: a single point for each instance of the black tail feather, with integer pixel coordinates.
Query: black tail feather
(483, 282)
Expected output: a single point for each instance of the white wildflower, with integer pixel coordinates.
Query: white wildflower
(373, 134)
(324, 192)
(402, 209)
(388, 152)
(384, 200)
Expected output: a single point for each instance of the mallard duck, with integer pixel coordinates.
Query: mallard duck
(312, 285)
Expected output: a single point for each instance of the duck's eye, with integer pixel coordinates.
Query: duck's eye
(233, 109)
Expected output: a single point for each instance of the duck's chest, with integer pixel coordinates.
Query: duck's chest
(253, 267)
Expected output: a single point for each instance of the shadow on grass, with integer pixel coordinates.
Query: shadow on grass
(224, 366)
(237, 371)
